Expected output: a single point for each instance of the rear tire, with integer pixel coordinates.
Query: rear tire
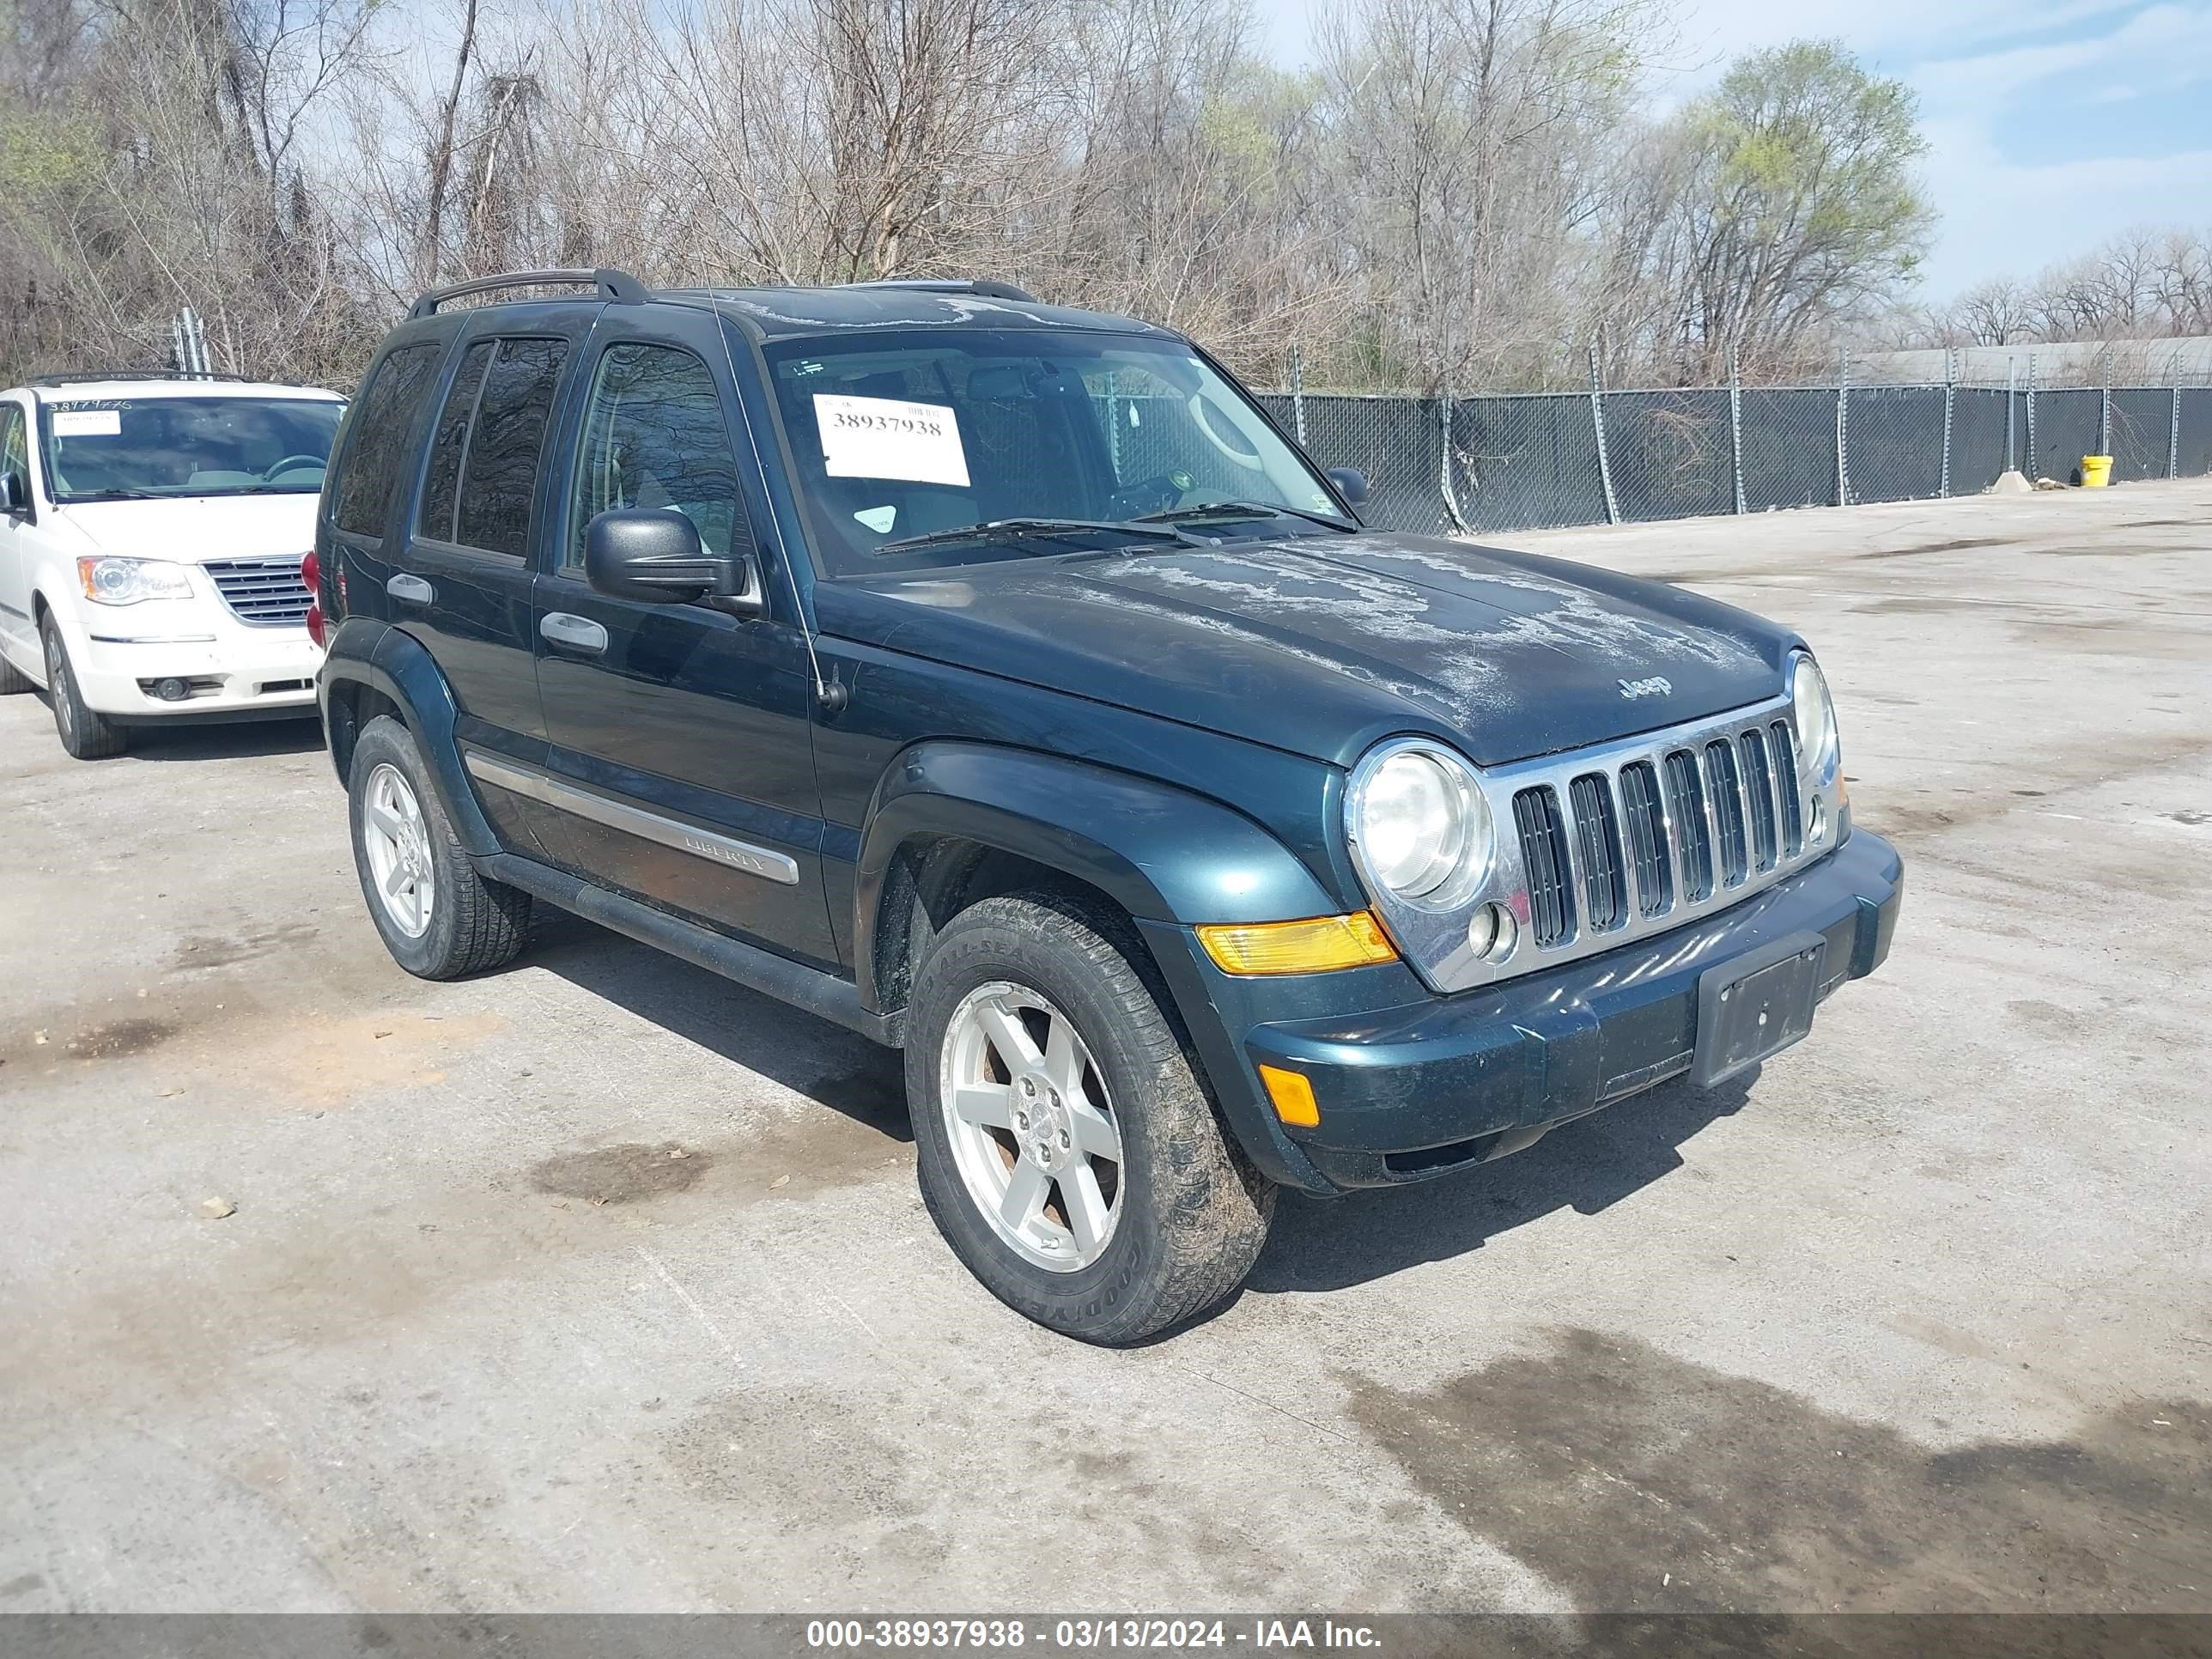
(1110, 1220)
(438, 917)
(85, 732)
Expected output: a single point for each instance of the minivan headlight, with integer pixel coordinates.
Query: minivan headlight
(127, 581)
(1812, 717)
(1420, 827)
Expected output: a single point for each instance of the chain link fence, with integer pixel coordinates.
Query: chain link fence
(1541, 461)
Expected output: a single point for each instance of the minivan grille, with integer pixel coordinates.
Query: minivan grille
(1604, 891)
(1544, 855)
(261, 592)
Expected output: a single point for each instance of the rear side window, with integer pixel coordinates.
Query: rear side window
(499, 471)
(14, 447)
(368, 470)
(653, 436)
(450, 443)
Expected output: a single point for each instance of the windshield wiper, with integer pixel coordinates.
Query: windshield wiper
(1000, 530)
(113, 495)
(1242, 509)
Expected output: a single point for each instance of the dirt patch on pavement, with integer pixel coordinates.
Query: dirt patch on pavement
(1639, 1481)
(1961, 544)
(627, 1174)
(119, 1039)
(249, 945)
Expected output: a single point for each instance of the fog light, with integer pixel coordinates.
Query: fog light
(171, 689)
(1819, 830)
(1490, 932)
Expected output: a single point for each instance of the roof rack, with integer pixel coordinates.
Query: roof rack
(86, 376)
(988, 287)
(617, 287)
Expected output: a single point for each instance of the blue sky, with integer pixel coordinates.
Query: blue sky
(2052, 123)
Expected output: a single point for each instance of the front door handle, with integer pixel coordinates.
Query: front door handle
(413, 589)
(575, 633)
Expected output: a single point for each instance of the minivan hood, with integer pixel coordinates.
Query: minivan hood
(1319, 646)
(193, 529)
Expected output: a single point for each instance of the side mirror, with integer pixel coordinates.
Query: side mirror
(14, 493)
(1351, 483)
(653, 554)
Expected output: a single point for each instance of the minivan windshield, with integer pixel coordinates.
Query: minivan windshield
(919, 448)
(130, 449)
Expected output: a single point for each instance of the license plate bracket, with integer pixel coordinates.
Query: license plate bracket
(1754, 1006)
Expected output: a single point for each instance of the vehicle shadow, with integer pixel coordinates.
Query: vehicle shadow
(838, 1068)
(1327, 1244)
(229, 740)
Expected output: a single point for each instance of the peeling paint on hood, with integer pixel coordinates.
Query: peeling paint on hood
(1319, 644)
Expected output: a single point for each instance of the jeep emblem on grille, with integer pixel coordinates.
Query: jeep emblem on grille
(1654, 687)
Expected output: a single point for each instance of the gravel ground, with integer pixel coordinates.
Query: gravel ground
(599, 1282)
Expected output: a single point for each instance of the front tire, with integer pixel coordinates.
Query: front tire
(85, 732)
(1066, 1149)
(438, 917)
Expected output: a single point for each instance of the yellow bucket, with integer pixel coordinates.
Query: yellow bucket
(2096, 472)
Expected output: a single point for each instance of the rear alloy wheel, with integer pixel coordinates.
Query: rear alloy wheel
(85, 732)
(1067, 1147)
(438, 917)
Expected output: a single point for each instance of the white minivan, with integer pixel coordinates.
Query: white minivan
(151, 531)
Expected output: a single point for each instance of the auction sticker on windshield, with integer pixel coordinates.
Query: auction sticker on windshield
(886, 438)
(87, 424)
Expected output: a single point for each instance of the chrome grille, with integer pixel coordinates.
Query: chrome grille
(261, 592)
(1724, 794)
(1793, 807)
(1759, 795)
(1604, 890)
(1646, 818)
(1686, 804)
(1544, 855)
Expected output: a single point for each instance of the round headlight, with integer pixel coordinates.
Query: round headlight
(1422, 826)
(1812, 716)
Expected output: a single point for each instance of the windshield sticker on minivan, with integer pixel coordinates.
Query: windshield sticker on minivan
(87, 424)
(887, 438)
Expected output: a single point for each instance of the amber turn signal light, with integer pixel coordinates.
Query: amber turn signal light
(1291, 1096)
(1318, 946)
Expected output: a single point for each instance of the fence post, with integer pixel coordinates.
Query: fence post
(2031, 418)
(1597, 425)
(1950, 401)
(2012, 438)
(1299, 394)
(2104, 407)
(1445, 467)
(1735, 427)
(1844, 428)
(2174, 436)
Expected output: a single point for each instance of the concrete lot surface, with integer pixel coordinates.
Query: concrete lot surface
(598, 1283)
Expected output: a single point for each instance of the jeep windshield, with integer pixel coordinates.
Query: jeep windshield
(925, 447)
(135, 449)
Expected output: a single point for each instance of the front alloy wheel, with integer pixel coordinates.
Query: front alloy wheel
(398, 851)
(1031, 1126)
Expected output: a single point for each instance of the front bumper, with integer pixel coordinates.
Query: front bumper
(231, 671)
(1416, 1089)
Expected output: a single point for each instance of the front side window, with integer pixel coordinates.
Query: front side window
(134, 448)
(499, 475)
(654, 436)
(376, 437)
(945, 435)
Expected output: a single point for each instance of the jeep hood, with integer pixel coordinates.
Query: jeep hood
(1319, 646)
